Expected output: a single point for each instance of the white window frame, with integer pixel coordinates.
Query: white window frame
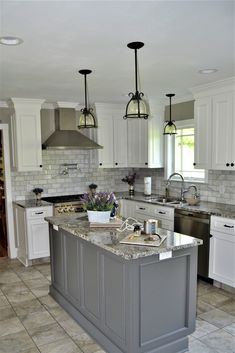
(170, 153)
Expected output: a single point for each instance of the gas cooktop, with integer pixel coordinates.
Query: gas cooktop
(63, 198)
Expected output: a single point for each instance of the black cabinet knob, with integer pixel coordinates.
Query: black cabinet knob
(227, 164)
(146, 163)
(194, 163)
(40, 166)
(232, 164)
(100, 163)
(116, 163)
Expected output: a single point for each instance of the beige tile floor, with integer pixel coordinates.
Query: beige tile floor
(32, 322)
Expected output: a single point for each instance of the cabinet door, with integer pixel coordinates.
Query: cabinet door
(38, 238)
(21, 234)
(222, 258)
(127, 208)
(222, 134)
(120, 142)
(27, 134)
(137, 142)
(203, 121)
(105, 139)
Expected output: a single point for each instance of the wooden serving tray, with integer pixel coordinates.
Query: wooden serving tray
(113, 223)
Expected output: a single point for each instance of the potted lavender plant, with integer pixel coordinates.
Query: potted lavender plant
(98, 206)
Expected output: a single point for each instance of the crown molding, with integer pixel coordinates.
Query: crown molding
(214, 87)
(4, 104)
(61, 104)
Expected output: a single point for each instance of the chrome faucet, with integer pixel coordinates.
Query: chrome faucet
(182, 185)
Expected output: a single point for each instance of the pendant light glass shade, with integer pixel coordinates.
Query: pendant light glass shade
(86, 119)
(170, 128)
(136, 107)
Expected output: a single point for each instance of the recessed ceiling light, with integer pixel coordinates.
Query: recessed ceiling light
(10, 40)
(207, 71)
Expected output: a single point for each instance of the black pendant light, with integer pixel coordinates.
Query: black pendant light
(136, 107)
(86, 119)
(170, 128)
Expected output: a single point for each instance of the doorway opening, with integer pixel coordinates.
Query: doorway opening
(3, 226)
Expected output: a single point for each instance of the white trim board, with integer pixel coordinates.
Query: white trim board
(12, 250)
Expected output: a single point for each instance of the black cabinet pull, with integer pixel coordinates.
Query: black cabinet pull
(232, 164)
(116, 163)
(38, 212)
(194, 163)
(161, 212)
(141, 208)
(100, 163)
(227, 226)
(40, 166)
(227, 164)
(211, 235)
(146, 163)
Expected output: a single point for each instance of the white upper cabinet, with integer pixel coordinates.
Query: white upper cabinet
(203, 119)
(136, 143)
(112, 135)
(215, 125)
(26, 134)
(223, 132)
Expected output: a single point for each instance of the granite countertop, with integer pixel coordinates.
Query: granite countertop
(31, 203)
(109, 239)
(212, 208)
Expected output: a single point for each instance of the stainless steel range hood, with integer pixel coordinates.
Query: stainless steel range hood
(68, 139)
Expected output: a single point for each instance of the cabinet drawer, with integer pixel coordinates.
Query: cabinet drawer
(223, 225)
(164, 212)
(142, 208)
(39, 212)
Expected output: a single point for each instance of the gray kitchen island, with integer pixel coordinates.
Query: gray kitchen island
(132, 299)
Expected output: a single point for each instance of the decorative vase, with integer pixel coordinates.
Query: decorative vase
(131, 190)
(98, 216)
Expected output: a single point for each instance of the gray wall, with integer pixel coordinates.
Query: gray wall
(180, 111)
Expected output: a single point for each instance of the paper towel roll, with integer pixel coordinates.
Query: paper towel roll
(147, 186)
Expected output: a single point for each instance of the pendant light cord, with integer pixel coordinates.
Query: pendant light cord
(170, 109)
(85, 92)
(136, 78)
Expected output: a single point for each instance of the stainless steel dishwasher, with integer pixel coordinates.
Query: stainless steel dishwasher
(197, 225)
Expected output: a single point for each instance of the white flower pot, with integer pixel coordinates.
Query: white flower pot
(98, 216)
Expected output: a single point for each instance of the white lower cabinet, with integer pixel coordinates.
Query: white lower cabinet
(222, 250)
(143, 211)
(32, 233)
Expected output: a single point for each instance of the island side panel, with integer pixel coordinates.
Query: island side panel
(166, 297)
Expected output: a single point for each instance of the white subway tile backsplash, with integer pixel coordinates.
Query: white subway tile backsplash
(220, 186)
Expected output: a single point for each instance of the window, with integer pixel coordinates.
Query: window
(180, 153)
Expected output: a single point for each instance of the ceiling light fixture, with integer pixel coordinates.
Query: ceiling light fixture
(86, 119)
(8, 40)
(207, 71)
(170, 128)
(136, 107)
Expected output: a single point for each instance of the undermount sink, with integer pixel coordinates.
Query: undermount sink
(163, 200)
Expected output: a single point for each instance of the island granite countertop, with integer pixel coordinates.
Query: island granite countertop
(109, 239)
(212, 208)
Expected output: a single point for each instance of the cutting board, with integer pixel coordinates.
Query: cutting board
(113, 223)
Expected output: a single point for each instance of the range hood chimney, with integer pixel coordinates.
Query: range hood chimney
(68, 139)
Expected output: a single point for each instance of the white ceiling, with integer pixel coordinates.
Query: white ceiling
(61, 37)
